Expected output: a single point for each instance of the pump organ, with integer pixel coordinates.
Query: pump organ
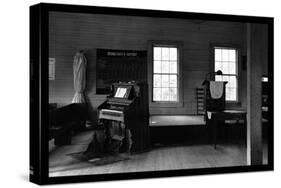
(125, 116)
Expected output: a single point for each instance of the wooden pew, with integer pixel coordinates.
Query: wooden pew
(64, 120)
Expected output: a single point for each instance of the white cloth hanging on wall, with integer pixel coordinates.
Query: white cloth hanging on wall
(79, 77)
(216, 89)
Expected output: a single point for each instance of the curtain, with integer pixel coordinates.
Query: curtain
(79, 77)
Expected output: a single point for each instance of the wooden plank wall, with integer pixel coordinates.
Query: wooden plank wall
(70, 32)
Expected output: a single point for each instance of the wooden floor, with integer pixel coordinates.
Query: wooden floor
(157, 159)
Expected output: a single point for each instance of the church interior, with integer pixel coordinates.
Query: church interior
(139, 93)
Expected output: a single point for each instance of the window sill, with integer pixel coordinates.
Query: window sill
(166, 104)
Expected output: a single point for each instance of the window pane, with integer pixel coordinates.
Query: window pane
(165, 81)
(232, 68)
(225, 78)
(224, 55)
(218, 66)
(173, 54)
(165, 53)
(218, 78)
(157, 80)
(173, 67)
(232, 94)
(157, 67)
(218, 55)
(173, 94)
(165, 66)
(231, 88)
(157, 53)
(232, 82)
(173, 80)
(225, 68)
(157, 94)
(227, 93)
(232, 55)
(165, 94)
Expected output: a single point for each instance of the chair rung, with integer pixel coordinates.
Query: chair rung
(200, 96)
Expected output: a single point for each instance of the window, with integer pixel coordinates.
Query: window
(226, 60)
(165, 73)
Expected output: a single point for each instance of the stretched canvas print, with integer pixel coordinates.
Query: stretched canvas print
(126, 93)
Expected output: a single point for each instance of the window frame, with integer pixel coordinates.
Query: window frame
(238, 65)
(179, 46)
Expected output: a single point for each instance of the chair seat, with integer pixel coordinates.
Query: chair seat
(234, 121)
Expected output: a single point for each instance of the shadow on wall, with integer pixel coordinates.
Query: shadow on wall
(91, 111)
(90, 90)
(90, 55)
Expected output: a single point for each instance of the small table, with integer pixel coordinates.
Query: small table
(215, 116)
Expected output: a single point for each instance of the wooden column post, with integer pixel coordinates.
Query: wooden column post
(256, 55)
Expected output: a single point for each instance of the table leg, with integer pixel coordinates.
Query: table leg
(214, 121)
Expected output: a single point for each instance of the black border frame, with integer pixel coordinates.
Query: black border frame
(39, 92)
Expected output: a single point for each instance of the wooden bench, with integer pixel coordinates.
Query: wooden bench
(62, 121)
(176, 120)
